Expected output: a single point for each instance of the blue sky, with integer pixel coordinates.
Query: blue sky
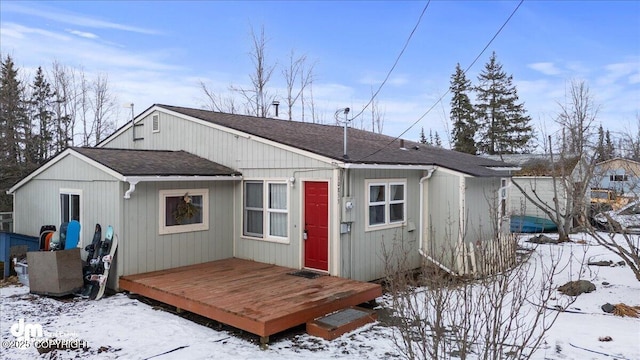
(157, 52)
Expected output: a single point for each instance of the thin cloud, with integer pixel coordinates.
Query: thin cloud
(73, 19)
(83, 34)
(547, 68)
(17, 31)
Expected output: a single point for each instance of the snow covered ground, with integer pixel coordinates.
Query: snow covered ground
(123, 327)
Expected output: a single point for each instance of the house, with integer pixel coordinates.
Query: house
(268, 190)
(619, 175)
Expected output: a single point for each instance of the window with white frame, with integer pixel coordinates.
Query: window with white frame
(70, 202)
(266, 210)
(184, 210)
(386, 202)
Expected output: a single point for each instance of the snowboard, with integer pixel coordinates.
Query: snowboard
(59, 237)
(88, 268)
(73, 235)
(45, 232)
(106, 253)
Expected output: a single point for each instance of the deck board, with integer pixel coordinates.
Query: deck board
(262, 299)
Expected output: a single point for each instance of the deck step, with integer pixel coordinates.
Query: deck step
(333, 325)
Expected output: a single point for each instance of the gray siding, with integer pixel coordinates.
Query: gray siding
(481, 208)
(255, 160)
(145, 250)
(363, 251)
(243, 153)
(543, 186)
(37, 202)
(284, 254)
(442, 216)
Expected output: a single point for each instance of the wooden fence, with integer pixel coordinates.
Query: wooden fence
(486, 257)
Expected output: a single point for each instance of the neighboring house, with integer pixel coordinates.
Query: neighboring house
(619, 175)
(269, 190)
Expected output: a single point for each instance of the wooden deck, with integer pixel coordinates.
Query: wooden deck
(259, 298)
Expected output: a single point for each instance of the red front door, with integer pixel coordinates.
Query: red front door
(316, 225)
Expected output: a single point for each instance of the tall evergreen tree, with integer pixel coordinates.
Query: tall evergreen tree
(504, 126)
(609, 147)
(423, 138)
(41, 114)
(13, 121)
(462, 113)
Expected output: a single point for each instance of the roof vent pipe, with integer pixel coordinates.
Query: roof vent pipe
(346, 121)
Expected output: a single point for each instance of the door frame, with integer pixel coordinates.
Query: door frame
(329, 224)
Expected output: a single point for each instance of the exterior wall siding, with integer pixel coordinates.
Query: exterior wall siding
(362, 251)
(287, 254)
(482, 206)
(543, 186)
(99, 200)
(442, 223)
(146, 250)
(255, 160)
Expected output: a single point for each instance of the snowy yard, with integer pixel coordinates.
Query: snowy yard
(120, 326)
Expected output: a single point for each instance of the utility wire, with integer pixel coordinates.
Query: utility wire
(394, 64)
(447, 92)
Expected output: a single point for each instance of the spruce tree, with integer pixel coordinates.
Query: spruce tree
(13, 121)
(41, 114)
(423, 138)
(462, 113)
(610, 150)
(504, 127)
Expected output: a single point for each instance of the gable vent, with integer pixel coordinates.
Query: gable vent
(155, 123)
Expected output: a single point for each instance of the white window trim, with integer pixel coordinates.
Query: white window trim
(64, 191)
(388, 224)
(164, 229)
(266, 210)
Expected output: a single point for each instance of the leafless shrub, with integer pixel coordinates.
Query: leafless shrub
(501, 316)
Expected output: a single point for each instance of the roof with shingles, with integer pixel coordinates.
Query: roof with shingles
(130, 162)
(364, 147)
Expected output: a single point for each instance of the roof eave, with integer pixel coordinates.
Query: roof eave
(386, 166)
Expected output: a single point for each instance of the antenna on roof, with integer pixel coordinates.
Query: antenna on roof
(133, 125)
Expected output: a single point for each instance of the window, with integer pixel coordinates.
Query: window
(266, 213)
(69, 205)
(184, 210)
(618, 178)
(155, 123)
(386, 201)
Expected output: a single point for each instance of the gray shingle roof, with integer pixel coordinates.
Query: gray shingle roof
(364, 147)
(155, 162)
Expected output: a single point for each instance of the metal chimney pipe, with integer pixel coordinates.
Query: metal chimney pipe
(345, 155)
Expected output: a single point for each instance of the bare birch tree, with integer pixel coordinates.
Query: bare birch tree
(103, 103)
(296, 74)
(258, 99)
(217, 102)
(572, 163)
(63, 83)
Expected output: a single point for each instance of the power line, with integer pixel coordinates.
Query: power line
(395, 63)
(447, 92)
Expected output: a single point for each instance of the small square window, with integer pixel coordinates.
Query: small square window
(386, 203)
